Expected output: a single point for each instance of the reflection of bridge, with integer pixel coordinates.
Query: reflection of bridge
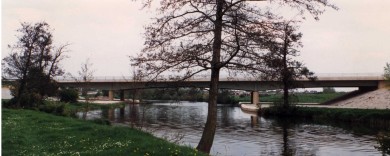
(362, 81)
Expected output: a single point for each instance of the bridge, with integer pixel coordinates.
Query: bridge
(362, 81)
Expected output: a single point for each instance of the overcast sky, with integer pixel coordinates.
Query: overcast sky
(354, 39)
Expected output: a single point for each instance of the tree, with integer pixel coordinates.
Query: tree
(85, 75)
(387, 71)
(136, 77)
(33, 62)
(69, 95)
(192, 37)
(280, 61)
(328, 90)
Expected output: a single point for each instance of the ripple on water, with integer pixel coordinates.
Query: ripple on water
(237, 134)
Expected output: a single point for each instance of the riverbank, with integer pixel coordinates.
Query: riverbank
(377, 99)
(27, 132)
(368, 108)
(300, 97)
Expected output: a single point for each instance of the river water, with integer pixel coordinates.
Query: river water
(5, 93)
(240, 133)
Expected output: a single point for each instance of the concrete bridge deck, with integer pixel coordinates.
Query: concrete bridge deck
(362, 81)
(237, 83)
(322, 76)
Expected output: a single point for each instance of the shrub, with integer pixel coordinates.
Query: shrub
(69, 95)
(27, 100)
(102, 121)
(52, 107)
(5, 103)
(225, 97)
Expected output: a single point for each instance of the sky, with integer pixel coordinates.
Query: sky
(353, 39)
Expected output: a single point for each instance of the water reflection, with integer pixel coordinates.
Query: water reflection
(241, 133)
(383, 139)
(287, 150)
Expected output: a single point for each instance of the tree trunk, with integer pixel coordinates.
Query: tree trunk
(285, 93)
(18, 97)
(22, 84)
(286, 73)
(285, 79)
(207, 139)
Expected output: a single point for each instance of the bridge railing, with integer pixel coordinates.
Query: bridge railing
(350, 76)
(96, 79)
(320, 76)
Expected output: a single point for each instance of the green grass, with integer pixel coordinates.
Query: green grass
(300, 97)
(70, 109)
(317, 97)
(28, 132)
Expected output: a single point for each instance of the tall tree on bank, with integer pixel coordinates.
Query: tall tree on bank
(281, 63)
(386, 73)
(85, 75)
(386, 70)
(192, 37)
(33, 62)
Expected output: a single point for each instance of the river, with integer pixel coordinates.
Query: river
(241, 133)
(5, 93)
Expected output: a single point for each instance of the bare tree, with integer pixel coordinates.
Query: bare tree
(281, 63)
(33, 62)
(137, 76)
(85, 75)
(192, 37)
(387, 71)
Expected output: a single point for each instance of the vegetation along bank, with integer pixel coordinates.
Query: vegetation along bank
(371, 117)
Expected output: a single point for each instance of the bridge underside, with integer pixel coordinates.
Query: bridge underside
(236, 85)
(253, 86)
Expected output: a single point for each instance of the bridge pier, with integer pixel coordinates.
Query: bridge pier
(254, 120)
(110, 95)
(383, 84)
(122, 95)
(255, 97)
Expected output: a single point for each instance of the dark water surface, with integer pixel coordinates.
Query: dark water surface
(239, 133)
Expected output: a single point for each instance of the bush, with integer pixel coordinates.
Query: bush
(102, 121)
(69, 95)
(5, 103)
(52, 107)
(225, 97)
(27, 100)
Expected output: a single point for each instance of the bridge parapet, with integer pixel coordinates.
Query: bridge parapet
(350, 76)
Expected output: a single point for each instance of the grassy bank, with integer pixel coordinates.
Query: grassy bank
(374, 117)
(67, 109)
(27, 132)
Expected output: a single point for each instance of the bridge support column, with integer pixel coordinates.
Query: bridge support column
(383, 84)
(255, 97)
(122, 95)
(111, 95)
(254, 120)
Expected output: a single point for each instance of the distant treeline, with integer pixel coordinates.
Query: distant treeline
(224, 97)
(319, 97)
